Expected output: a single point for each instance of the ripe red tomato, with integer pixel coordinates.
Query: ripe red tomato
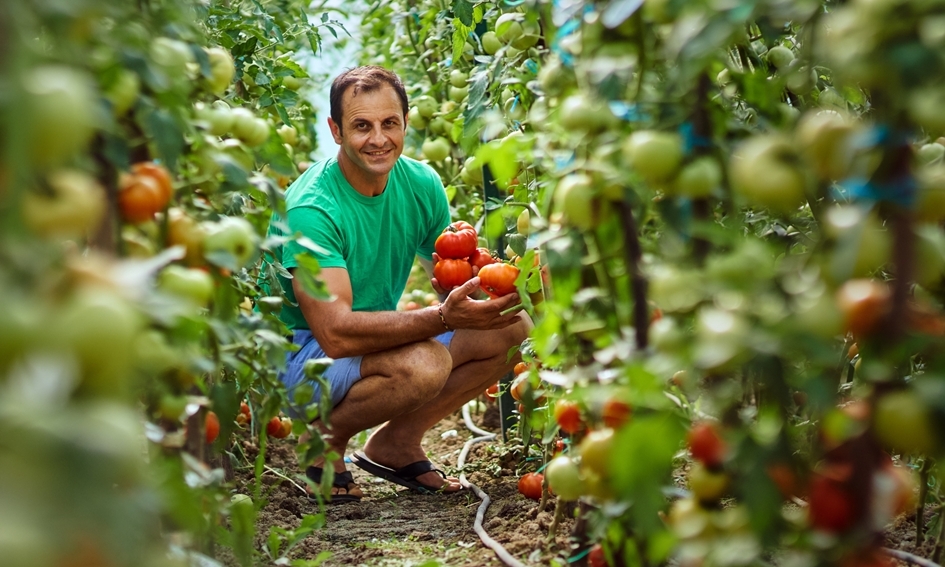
(559, 447)
(274, 428)
(596, 558)
(455, 243)
(481, 257)
(530, 485)
(498, 279)
(161, 176)
(568, 416)
(450, 273)
(706, 444)
(493, 391)
(615, 412)
(831, 505)
(244, 409)
(212, 427)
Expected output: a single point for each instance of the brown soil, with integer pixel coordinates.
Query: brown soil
(392, 526)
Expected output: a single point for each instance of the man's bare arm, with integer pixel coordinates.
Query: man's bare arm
(342, 332)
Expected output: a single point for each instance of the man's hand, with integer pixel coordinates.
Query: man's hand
(463, 312)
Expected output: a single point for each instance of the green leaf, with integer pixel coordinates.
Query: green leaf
(248, 47)
(274, 153)
(459, 40)
(652, 440)
(305, 273)
(463, 10)
(160, 126)
(478, 96)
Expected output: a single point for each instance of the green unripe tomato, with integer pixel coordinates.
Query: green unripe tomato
(458, 94)
(508, 27)
(123, 92)
(903, 423)
(60, 112)
(288, 134)
(436, 149)
(222, 70)
(698, 178)
(415, 119)
(490, 43)
(930, 153)
(458, 78)
(191, 284)
(574, 200)
(780, 56)
(426, 105)
(763, 169)
(564, 478)
(654, 155)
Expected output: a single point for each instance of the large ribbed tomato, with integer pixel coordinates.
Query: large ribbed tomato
(450, 273)
(482, 257)
(498, 279)
(457, 242)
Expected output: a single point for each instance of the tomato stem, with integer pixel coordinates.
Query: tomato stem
(512, 309)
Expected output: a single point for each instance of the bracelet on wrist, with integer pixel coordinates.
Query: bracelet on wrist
(439, 310)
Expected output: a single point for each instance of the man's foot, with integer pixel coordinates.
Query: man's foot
(343, 487)
(406, 475)
(431, 479)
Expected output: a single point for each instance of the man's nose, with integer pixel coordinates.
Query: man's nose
(377, 135)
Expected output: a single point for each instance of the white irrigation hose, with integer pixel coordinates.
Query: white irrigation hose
(492, 544)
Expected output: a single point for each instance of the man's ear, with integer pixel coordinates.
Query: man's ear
(335, 130)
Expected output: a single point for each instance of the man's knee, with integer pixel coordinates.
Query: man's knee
(423, 367)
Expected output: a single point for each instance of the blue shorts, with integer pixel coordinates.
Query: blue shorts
(341, 375)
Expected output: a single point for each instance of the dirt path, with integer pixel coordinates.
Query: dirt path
(393, 526)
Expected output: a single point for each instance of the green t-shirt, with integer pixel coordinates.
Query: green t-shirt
(374, 238)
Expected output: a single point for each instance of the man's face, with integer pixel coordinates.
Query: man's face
(372, 130)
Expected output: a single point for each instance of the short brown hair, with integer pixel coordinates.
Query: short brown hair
(364, 79)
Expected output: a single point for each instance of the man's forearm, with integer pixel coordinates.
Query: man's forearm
(365, 332)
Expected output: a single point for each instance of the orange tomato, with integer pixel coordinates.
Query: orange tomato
(139, 198)
(568, 416)
(160, 174)
(615, 413)
(519, 368)
(212, 427)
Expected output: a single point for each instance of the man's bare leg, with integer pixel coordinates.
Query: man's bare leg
(394, 382)
(480, 359)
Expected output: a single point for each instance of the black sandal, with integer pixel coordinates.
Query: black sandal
(342, 481)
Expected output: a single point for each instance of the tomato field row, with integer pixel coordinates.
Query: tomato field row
(724, 218)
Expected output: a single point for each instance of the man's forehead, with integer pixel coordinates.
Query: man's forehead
(383, 100)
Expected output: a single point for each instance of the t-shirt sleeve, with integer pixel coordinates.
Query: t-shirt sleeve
(315, 224)
(440, 218)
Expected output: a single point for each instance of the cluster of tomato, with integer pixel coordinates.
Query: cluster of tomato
(144, 191)
(458, 252)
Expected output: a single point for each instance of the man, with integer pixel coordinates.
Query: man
(373, 211)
